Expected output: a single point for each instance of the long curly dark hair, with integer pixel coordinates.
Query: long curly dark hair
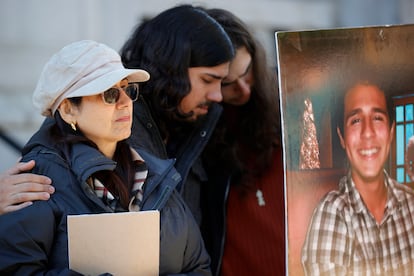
(119, 181)
(167, 46)
(246, 150)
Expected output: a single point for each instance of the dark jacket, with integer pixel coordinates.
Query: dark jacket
(33, 240)
(213, 228)
(146, 135)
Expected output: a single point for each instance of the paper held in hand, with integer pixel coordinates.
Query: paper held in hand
(119, 243)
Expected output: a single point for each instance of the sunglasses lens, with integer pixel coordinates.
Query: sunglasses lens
(111, 95)
(132, 91)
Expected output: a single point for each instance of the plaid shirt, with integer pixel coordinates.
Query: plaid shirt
(345, 239)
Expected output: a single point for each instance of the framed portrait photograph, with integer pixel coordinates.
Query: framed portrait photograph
(317, 69)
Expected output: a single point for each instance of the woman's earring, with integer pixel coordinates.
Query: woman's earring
(73, 126)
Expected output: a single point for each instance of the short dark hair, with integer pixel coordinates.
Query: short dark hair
(340, 99)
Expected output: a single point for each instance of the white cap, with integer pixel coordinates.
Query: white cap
(83, 68)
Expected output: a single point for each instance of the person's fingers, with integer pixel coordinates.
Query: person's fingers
(21, 167)
(28, 196)
(18, 190)
(31, 187)
(17, 201)
(25, 178)
(12, 208)
(15, 175)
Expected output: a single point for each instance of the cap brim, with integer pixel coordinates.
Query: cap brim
(108, 80)
(137, 75)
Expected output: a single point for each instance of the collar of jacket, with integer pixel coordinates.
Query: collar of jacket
(191, 149)
(161, 181)
(85, 160)
(145, 133)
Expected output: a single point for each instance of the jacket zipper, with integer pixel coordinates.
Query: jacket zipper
(223, 236)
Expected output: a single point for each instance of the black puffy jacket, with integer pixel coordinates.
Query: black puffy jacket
(33, 240)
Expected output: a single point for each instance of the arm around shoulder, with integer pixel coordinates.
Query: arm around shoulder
(18, 189)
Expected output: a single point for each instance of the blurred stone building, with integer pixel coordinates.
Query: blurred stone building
(32, 30)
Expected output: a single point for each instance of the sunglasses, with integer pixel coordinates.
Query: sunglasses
(112, 95)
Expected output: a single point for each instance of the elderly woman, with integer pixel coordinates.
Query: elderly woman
(83, 149)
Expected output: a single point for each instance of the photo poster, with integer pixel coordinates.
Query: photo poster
(314, 67)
